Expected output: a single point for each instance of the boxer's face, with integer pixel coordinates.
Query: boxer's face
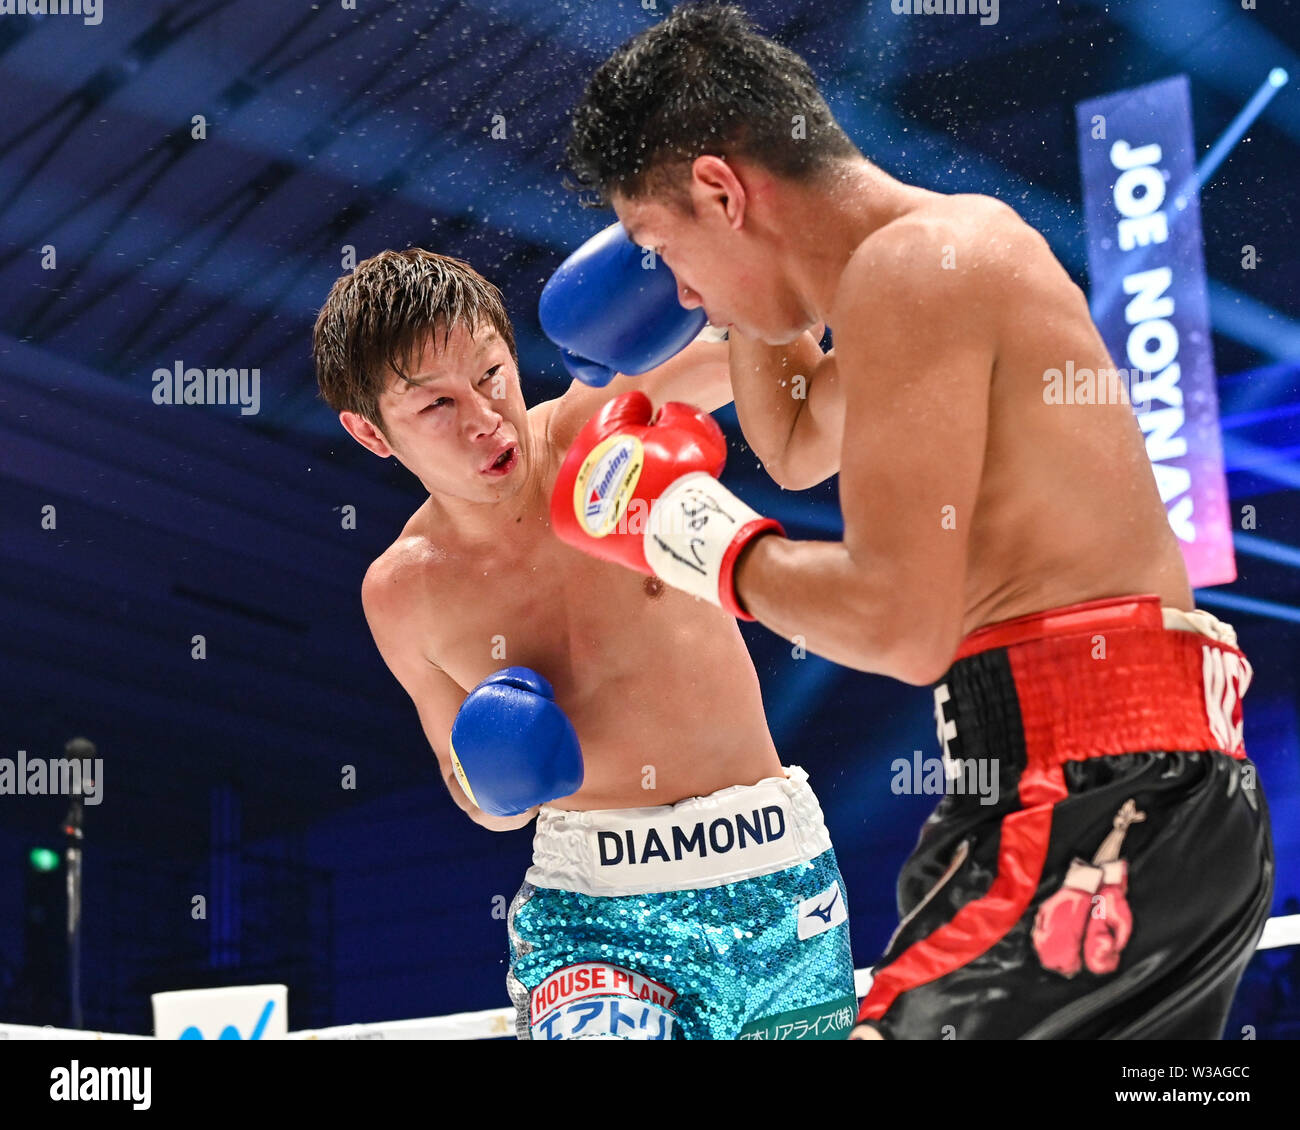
(460, 424)
(718, 265)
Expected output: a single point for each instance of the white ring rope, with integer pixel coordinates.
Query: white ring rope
(493, 1023)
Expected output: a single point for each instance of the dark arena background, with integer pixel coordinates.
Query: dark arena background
(180, 184)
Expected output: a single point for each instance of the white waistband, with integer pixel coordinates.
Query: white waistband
(1198, 620)
(736, 833)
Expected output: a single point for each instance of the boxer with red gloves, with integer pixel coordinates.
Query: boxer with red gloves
(673, 853)
(1009, 547)
(668, 462)
(612, 307)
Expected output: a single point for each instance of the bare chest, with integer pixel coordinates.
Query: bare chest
(576, 620)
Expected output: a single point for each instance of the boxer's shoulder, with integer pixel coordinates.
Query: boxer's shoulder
(955, 252)
(540, 417)
(937, 232)
(396, 578)
(394, 597)
(556, 423)
(423, 557)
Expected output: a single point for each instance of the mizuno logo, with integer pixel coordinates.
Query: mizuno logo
(824, 912)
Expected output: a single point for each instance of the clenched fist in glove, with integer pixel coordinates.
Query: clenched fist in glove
(641, 489)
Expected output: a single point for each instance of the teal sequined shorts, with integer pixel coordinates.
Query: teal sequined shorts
(720, 917)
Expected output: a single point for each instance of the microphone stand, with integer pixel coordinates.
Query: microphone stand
(83, 750)
(72, 830)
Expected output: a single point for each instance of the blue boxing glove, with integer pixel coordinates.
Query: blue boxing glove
(512, 747)
(610, 312)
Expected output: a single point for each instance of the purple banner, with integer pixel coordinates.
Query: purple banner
(1148, 299)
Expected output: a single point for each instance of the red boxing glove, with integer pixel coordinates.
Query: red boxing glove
(1062, 919)
(1111, 922)
(641, 490)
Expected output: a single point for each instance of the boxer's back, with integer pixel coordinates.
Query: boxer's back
(1067, 508)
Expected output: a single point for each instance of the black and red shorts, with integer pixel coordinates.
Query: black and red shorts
(1117, 887)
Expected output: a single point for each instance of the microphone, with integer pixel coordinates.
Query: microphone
(82, 750)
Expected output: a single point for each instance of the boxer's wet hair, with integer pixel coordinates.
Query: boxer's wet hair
(376, 319)
(703, 81)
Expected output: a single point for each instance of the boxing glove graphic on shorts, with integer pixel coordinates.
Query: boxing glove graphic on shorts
(1062, 919)
(1111, 920)
(1088, 921)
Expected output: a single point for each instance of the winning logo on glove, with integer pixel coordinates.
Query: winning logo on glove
(605, 483)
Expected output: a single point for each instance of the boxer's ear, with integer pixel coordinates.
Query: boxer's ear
(366, 434)
(717, 191)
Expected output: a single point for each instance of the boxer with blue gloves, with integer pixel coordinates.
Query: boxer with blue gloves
(612, 308)
(519, 746)
(683, 883)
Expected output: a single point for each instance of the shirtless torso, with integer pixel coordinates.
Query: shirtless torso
(659, 686)
(1066, 508)
(969, 494)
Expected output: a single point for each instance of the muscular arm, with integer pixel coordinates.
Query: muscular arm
(698, 375)
(386, 596)
(795, 427)
(915, 346)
